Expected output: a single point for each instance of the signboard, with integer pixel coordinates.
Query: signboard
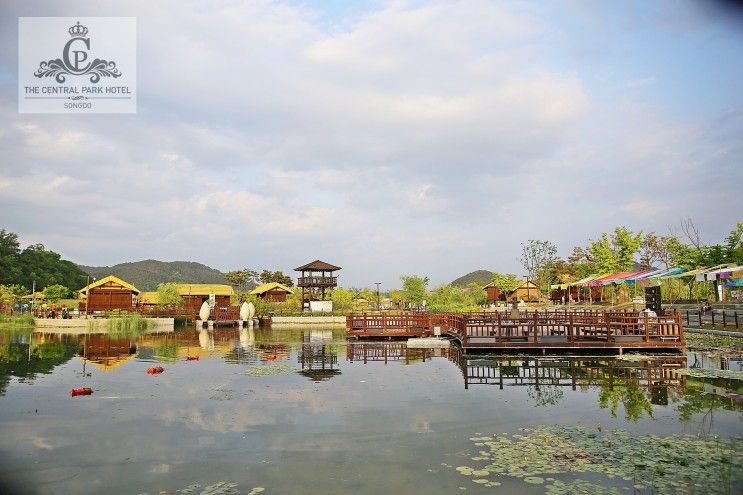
(321, 306)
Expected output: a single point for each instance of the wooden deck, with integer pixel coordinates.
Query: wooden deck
(530, 330)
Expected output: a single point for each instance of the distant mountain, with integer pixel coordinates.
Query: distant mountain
(147, 274)
(482, 277)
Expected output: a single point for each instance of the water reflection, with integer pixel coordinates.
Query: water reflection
(260, 403)
(322, 354)
(24, 354)
(318, 356)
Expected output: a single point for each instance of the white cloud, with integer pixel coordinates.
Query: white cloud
(429, 137)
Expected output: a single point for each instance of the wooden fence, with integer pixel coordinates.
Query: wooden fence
(532, 329)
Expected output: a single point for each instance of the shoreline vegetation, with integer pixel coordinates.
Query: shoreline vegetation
(16, 319)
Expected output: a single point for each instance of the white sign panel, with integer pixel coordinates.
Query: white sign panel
(77, 65)
(321, 306)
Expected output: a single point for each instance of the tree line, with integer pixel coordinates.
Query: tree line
(22, 269)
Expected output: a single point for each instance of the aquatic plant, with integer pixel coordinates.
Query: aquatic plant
(128, 322)
(704, 341)
(268, 369)
(125, 324)
(218, 488)
(710, 373)
(680, 464)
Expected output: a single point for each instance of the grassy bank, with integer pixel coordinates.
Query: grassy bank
(16, 319)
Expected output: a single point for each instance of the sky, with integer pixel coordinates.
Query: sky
(388, 138)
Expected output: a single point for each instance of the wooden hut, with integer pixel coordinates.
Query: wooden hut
(316, 281)
(272, 292)
(107, 294)
(194, 295)
(527, 291)
(148, 300)
(493, 293)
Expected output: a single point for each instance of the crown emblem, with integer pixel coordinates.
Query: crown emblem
(78, 31)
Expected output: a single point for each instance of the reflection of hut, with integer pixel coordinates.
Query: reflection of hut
(107, 294)
(272, 292)
(107, 353)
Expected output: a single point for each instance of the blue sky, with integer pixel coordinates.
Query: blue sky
(384, 137)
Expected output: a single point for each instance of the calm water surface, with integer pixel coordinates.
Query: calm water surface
(295, 411)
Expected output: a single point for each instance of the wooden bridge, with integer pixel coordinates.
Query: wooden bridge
(529, 330)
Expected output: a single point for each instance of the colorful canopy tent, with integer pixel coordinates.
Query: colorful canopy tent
(607, 278)
(624, 277)
(734, 282)
(684, 274)
(721, 273)
(584, 281)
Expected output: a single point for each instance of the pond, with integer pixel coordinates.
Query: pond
(303, 411)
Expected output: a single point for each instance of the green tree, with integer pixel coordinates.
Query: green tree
(342, 298)
(54, 293)
(537, 258)
(505, 282)
(414, 289)
(12, 294)
(47, 268)
(268, 276)
(244, 279)
(734, 245)
(168, 295)
(616, 254)
(656, 249)
(10, 271)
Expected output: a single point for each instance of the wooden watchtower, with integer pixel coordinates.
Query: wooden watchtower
(316, 278)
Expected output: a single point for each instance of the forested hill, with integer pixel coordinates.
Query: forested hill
(147, 274)
(481, 277)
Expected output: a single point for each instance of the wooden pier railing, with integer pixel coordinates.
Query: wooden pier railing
(528, 329)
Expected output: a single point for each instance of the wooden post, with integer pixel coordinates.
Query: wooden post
(647, 336)
(534, 327)
(713, 316)
(735, 314)
(570, 328)
(499, 328)
(724, 323)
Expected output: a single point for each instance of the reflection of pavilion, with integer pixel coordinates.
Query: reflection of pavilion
(391, 351)
(318, 356)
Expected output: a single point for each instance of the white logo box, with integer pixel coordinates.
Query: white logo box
(77, 65)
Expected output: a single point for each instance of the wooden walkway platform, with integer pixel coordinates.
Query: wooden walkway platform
(530, 330)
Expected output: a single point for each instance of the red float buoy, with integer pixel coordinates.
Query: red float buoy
(155, 370)
(81, 391)
(192, 358)
(271, 357)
